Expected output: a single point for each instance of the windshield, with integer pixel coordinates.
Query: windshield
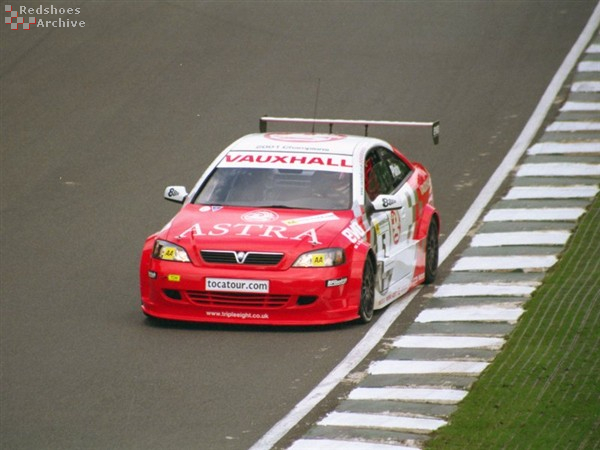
(283, 188)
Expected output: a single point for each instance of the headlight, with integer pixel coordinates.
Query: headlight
(169, 252)
(321, 258)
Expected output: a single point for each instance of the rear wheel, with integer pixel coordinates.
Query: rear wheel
(431, 253)
(367, 292)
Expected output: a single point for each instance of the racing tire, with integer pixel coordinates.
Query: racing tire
(367, 293)
(431, 252)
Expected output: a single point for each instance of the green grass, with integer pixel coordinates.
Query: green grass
(543, 390)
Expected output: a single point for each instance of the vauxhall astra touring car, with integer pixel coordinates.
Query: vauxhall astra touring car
(289, 228)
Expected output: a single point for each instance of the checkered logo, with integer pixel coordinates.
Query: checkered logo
(14, 20)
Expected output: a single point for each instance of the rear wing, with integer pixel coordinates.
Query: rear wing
(435, 126)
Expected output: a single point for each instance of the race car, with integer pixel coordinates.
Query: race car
(295, 228)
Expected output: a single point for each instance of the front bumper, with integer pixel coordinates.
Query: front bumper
(296, 296)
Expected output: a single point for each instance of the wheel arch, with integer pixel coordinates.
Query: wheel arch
(429, 214)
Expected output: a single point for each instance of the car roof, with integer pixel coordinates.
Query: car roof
(341, 144)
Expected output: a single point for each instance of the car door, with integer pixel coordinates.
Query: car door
(386, 173)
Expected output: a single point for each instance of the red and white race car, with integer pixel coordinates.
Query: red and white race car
(295, 229)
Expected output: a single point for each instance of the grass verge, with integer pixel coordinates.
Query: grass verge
(543, 389)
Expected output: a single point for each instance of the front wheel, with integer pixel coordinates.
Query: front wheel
(367, 293)
(431, 252)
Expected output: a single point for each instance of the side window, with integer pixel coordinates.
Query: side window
(398, 169)
(378, 179)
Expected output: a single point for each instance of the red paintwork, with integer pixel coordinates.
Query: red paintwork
(334, 304)
(297, 296)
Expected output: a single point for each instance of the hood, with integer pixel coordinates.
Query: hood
(251, 229)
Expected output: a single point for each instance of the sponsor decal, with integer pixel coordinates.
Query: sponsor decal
(168, 254)
(260, 215)
(301, 137)
(354, 232)
(425, 186)
(388, 202)
(213, 208)
(375, 224)
(336, 282)
(237, 285)
(311, 219)
(318, 260)
(281, 160)
(236, 315)
(173, 277)
(251, 230)
(395, 225)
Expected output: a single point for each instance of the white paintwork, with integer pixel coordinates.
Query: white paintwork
(553, 148)
(537, 192)
(425, 395)
(594, 48)
(381, 421)
(533, 214)
(436, 341)
(477, 263)
(588, 66)
(574, 126)
(423, 367)
(469, 314)
(520, 238)
(586, 86)
(484, 290)
(331, 444)
(581, 106)
(559, 170)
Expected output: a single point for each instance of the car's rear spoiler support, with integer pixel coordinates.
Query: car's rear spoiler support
(435, 126)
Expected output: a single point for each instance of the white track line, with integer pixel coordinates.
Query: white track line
(580, 106)
(382, 421)
(559, 170)
(377, 331)
(390, 367)
(486, 263)
(573, 126)
(533, 214)
(330, 444)
(520, 238)
(553, 148)
(469, 314)
(537, 192)
(484, 290)
(586, 86)
(409, 394)
(588, 66)
(435, 341)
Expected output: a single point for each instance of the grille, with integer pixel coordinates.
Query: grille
(237, 299)
(231, 257)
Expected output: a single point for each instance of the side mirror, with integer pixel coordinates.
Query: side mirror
(386, 203)
(176, 194)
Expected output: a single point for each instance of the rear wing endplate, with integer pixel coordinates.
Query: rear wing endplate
(435, 126)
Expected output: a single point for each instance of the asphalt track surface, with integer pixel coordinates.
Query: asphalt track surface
(97, 120)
